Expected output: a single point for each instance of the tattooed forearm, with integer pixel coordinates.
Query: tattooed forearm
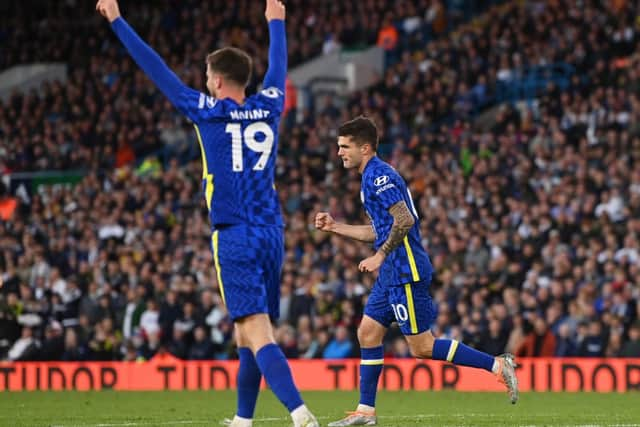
(402, 223)
(396, 236)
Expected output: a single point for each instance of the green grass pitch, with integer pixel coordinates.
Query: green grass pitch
(208, 408)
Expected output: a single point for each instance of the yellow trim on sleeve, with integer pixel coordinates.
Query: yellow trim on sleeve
(209, 186)
(208, 190)
(412, 260)
(205, 167)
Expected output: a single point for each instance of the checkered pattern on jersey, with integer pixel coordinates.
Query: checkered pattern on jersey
(250, 260)
(382, 187)
(243, 180)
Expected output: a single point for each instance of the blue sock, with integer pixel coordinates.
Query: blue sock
(372, 360)
(249, 377)
(460, 354)
(275, 369)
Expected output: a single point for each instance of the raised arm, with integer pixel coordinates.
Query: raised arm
(277, 70)
(364, 233)
(154, 67)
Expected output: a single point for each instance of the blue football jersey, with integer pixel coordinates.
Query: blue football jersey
(238, 142)
(382, 187)
(239, 145)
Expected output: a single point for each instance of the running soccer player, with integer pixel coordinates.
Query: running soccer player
(238, 139)
(401, 291)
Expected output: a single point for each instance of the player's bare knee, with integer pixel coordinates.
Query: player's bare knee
(415, 352)
(420, 350)
(421, 346)
(256, 331)
(415, 349)
(241, 341)
(363, 338)
(370, 334)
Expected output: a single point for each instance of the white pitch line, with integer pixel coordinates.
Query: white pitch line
(388, 417)
(131, 424)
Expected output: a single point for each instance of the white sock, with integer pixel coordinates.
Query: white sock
(496, 366)
(300, 414)
(242, 422)
(366, 409)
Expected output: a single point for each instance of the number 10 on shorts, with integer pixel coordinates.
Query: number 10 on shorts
(401, 313)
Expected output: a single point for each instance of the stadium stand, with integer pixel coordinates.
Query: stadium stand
(519, 133)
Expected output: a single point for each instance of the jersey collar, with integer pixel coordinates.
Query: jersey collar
(372, 160)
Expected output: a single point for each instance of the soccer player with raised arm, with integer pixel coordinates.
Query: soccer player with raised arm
(238, 139)
(401, 291)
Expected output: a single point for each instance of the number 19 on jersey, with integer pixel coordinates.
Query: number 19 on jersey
(248, 138)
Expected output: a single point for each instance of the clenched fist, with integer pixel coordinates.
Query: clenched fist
(275, 10)
(109, 9)
(324, 221)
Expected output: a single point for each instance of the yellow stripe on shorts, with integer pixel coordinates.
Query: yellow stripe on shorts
(411, 308)
(216, 260)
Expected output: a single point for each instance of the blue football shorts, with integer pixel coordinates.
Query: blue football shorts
(248, 262)
(409, 304)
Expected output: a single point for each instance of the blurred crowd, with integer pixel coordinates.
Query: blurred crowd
(94, 120)
(531, 216)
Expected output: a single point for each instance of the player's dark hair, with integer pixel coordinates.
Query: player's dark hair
(362, 130)
(234, 64)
